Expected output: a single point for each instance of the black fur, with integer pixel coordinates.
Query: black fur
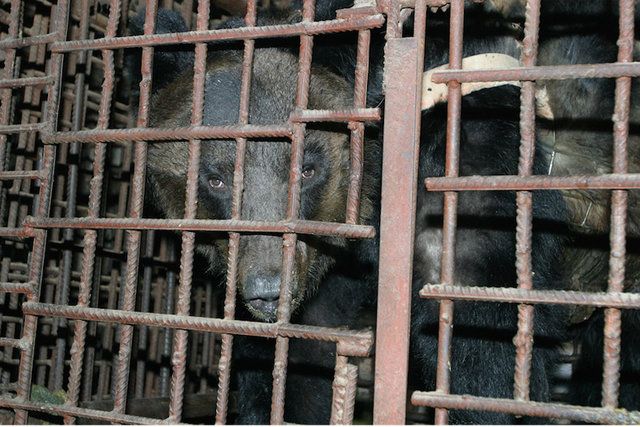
(587, 383)
(169, 62)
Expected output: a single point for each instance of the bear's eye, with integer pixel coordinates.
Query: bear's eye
(308, 172)
(216, 183)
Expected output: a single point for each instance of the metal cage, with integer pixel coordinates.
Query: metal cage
(102, 318)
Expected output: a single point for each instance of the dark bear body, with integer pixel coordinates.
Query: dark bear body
(335, 279)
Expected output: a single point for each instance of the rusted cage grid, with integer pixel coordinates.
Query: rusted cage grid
(79, 105)
(524, 295)
(119, 277)
(30, 280)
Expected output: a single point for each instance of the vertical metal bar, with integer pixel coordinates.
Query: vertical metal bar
(447, 267)
(179, 356)
(339, 389)
(9, 72)
(344, 389)
(524, 206)
(350, 394)
(6, 113)
(168, 333)
(224, 365)
(357, 128)
(403, 83)
(612, 318)
(121, 374)
(36, 266)
(293, 208)
(95, 196)
(143, 332)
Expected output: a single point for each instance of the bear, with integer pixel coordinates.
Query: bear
(334, 278)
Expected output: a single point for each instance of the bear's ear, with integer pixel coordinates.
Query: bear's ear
(168, 61)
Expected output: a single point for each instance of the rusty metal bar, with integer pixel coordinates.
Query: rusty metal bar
(129, 287)
(158, 134)
(179, 354)
(95, 196)
(344, 388)
(350, 394)
(9, 72)
(531, 296)
(613, 316)
(71, 411)
(15, 42)
(19, 233)
(36, 264)
(339, 390)
(357, 114)
(541, 72)
(27, 127)
(523, 339)
(17, 288)
(532, 409)
(68, 234)
(12, 342)
(241, 226)
(447, 264)
(357, 128)
(167, 340)
(13, 175)
(536, 182)
(224, 363)
(146, 343)
(242, 33)
(293, 211)
(403, 80)
(360, 342)
(26, 81)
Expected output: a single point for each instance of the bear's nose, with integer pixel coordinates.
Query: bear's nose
(261, 294)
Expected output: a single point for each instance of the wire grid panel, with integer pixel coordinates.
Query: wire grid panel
(619, 181)
(102, 305)
(121, 271)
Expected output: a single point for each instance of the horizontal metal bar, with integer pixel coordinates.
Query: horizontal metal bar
(162, 134)
(29, 127)
(107, 417)
(19, 233)
(359, 342)
(12, 342)
(515, 295)
(346, 115)
(11, 175)
(546, 72)
(17, 43)
(536, 182)
(238, 226)
(26, 81)
(17, 288)
(243, 33)
(533, 409)
(351, 12)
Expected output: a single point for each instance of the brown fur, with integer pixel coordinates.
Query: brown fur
(171, 107)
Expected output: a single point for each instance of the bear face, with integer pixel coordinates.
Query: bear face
(324, 174)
